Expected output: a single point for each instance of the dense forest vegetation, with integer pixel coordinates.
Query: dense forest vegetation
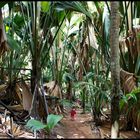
(59, 54)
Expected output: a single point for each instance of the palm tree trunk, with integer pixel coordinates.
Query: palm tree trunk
(38, 104)
(115, 69)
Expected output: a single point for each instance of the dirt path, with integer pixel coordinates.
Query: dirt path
(79, 128)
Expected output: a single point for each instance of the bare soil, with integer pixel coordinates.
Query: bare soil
(83, 127)
(78, 128)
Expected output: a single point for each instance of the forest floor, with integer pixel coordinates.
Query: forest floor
(83, 127)
(78, 128)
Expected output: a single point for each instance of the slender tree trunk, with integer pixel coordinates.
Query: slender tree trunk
(115, 69)
(38, 104)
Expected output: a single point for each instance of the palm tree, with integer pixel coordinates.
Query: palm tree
(115, 69)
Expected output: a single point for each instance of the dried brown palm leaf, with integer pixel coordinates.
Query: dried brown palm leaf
(130, 44)
(80, 73)
(53, 89)
(137, 35)
(128, 81)
(26, 135)
(49, 86)
(122, 44)
(11, 128)
(18, 107)
(92, 38)
(17, 130)
(138, 121)
(3, 87)
(86, 57)
(26, 96)
(18, 92)
(134, 116)
(3, 135)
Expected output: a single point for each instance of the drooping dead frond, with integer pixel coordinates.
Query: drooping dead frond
(53, 89)
(128, 81)
(137, 34)
(26, 96)
(92, 38)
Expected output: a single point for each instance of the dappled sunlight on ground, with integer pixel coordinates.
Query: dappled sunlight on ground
(79, 128)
